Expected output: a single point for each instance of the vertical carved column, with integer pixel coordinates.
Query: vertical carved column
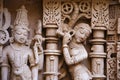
(100, 21)
(51, 21)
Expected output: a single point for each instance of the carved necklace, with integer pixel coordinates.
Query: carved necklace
(18, 56)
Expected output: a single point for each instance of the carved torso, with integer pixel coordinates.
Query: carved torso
(18, 58)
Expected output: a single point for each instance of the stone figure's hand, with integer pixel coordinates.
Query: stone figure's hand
(66, 38)
(38, 38)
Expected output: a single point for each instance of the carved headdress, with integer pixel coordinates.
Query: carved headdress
(21, 20)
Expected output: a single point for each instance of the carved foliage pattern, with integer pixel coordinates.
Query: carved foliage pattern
(100, 13)
(51, 11)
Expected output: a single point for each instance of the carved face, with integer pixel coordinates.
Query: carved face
(21, 35)
(81, 34)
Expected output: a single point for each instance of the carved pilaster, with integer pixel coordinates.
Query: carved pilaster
(51, 21)
(99, 22)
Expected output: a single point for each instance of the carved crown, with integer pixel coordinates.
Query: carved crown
(21, 20)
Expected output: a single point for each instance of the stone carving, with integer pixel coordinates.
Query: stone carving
(51, 21)
(75, 53)
(18, 53)
(111, 62)
(38, 49)
(100, 13)
(113, 42)
(72, 11)
(51, 12)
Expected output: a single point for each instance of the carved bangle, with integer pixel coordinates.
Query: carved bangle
(65, 46)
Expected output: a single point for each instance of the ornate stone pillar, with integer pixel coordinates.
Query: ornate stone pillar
(100, 21)
(97, 55)
(51, 21)
(51, 52)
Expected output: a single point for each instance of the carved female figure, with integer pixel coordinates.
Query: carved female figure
(18, 54)
(74, 52)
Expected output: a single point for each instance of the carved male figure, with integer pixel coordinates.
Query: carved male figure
(18, 54)
(75, 53)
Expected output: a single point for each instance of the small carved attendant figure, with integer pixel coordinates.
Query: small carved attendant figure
(17, 53)
(74, 52)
